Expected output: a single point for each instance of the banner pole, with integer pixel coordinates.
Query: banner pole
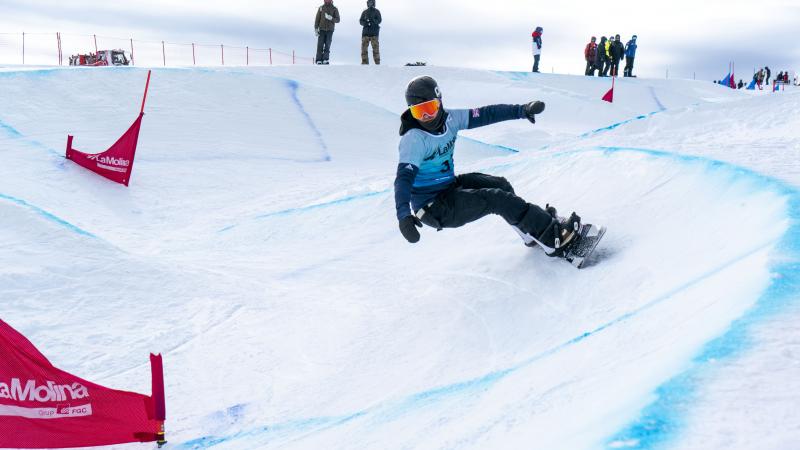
(159, 405)
(146, 86)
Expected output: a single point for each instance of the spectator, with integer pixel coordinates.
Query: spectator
(630, 54)
(779, 78)
(786, 77)
(617, 51)
(590, 54)
(769, 73)
(537, 47)
(371, 21)
(607, 56)
(324, 24)
(600, 60)
(740, 85)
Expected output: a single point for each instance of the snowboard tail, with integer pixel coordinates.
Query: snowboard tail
(590, 235)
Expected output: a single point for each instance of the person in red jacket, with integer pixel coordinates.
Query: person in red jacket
(537, 47)
(590, 54)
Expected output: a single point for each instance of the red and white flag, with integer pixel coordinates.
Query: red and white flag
(44, 407)
(116, 163)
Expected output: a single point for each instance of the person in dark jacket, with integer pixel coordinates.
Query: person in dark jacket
(371, 21)
(324, 24)
(427, 190)
(537, 47)
(601, 59)
(769, 73)
(740, 85)
(590, 55)
(630, 54)
(616, 51)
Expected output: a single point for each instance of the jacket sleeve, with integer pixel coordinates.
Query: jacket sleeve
(317, 19)
(406, 174)
(336, 15)
(487, 115)
(363, 19)
(378, 18)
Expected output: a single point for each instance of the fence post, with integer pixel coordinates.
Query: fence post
(132, 63)
(95, 43)
(247, 50)
(163, 53)
(194, 61)
(23, 48)
(58, 41)
(270, 57)
(223, 53)
(292, 56)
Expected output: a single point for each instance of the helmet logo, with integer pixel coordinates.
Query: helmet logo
(436, 91)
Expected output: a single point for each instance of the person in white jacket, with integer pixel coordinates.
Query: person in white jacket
(537, 47)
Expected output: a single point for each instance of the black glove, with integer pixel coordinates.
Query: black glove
(408, 226)
(533, 108)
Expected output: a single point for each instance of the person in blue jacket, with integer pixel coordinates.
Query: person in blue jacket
(427, 190)
(630, 54)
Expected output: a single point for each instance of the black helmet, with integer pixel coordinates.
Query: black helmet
(422, 89)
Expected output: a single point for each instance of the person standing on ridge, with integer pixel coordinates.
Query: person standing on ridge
(600, 57)
(324, 24)
(617, 52)
(590, 54)
(537, 47)
(427, 190)
(769, 73)
(371, 21)
(606, 50)
(630, 54)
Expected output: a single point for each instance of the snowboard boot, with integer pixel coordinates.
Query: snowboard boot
(560, 235)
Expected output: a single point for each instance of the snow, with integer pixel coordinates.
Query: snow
(257, 248)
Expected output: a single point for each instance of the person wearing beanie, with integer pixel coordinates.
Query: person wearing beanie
(630, 54)
(371, 21)
(590, 55)
(324, 24)
(537, 47)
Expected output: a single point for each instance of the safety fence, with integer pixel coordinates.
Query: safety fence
(57, 48)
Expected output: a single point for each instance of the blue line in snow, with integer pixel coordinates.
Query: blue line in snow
(286, 212)
(615, 125)
(660, 421)
(294, 86)
(655, 97)
(47, 215)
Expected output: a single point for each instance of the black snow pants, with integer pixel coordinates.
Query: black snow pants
(629, 66)
(474, 195)
(324, 45)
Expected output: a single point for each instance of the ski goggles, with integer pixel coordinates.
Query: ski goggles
(425, 112)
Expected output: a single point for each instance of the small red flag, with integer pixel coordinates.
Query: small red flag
(609, 97)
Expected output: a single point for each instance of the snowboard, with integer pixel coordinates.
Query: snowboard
(589, 236)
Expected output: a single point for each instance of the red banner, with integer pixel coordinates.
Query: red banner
(44, 407)
(116, 163)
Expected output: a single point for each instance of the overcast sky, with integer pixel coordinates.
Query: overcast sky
(683, 36)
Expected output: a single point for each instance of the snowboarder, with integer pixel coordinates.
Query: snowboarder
(537, 47)
(371, 21)
(427, 191)
(590, 54)
(324, 24)
(630, 55)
